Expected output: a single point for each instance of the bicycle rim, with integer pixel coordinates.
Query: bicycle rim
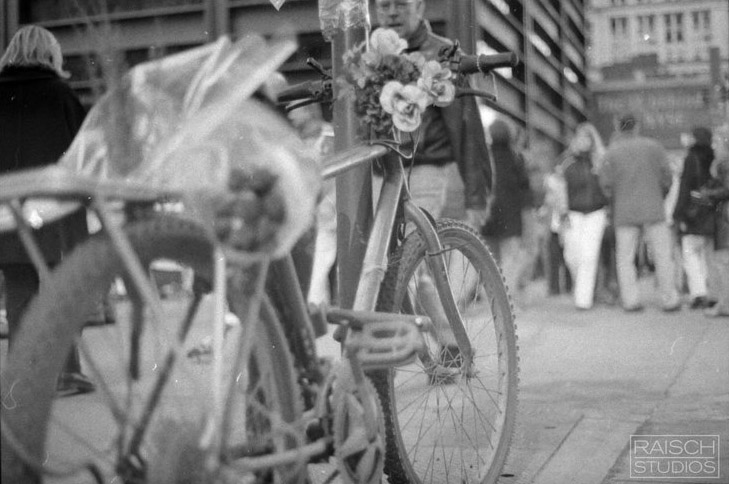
(146, 420)
(445, 425)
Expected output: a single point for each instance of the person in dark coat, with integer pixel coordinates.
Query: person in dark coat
(716, 195)
(39, 117)
(695, 221)
(448, 134)
(512, 192)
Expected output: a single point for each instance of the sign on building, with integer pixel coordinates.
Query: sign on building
(665, 112)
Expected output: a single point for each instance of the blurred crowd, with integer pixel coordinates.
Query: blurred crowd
(590, 223)
(601, 216)
(594, 221)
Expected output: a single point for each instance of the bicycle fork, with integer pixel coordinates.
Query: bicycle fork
(436, 262)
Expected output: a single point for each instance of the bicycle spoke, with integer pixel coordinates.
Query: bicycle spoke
(462, 433)
(166, 371)
(422, 432)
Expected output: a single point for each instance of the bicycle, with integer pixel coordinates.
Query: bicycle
(275, 405)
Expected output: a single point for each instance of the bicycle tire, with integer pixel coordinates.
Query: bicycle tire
(56, 316)
(425, 454)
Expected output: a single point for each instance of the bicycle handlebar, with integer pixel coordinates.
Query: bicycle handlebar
(322, 90)
(469, 64)
(305, 90)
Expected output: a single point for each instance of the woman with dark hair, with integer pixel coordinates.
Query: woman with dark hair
(512, 192)
(695, 220)
(717, 194)
(39, 117)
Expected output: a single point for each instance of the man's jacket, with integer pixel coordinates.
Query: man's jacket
(636, 176)
(455, 132)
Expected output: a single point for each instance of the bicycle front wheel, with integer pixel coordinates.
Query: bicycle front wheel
(446, 424)
(148, 417)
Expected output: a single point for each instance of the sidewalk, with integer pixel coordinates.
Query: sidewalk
(591, 379)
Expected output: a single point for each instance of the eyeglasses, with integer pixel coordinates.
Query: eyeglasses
(401, 6)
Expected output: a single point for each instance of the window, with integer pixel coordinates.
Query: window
(707, 25)
(669, 31)
(679, 27)
(619, 26)
(647, 28)
(674, 27)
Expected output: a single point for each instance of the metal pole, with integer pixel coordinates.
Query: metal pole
(354, 188)
(461, 18)
(217, 19)
(9, 21)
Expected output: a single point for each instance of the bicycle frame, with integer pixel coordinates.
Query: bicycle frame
(101, 196)
(378, 244)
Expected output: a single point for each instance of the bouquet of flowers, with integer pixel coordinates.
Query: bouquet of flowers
(392, 88)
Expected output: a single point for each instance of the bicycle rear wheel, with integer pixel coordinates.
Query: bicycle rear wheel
(445, 425)
(145, 421)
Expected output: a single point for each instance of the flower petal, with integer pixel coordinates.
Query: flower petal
(407, 123)
(415, 95)
(387, 42)
(388, 96)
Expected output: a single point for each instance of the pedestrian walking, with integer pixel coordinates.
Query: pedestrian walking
(716, 192)
(533, 230)
(512, 193)
(636, 177)
(39, 117)
(555, 211)
(587, 212)
(694, 219)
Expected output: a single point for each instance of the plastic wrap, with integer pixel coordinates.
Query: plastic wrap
(185, 122)
(342, 14)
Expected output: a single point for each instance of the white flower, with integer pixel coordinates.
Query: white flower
(405, 103)
(416, 58)
(387, 42)
(435, 80)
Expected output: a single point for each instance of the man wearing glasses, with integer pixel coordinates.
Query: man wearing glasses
(447, 134)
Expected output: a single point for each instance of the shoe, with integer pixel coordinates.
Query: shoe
(72, 383)
(716, 312)
(672, 308)
(100, 322)
(634, 309)
(701, 302)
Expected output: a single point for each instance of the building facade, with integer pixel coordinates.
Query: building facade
(547, 94)
(666, 60)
